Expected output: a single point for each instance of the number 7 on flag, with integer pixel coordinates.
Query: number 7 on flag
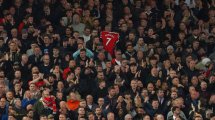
(108, 40)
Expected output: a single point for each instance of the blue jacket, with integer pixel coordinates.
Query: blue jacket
(5, 116)
(26, 102)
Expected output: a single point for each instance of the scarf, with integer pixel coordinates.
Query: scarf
(73, 104)
(49, 102)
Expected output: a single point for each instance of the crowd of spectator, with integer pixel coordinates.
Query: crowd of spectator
(53, 65)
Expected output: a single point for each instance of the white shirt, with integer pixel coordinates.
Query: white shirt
(90, 106)
(86, 38)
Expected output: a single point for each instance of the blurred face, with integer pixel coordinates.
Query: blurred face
(110, 116)
(112, 92)
(133, 68)
(132, 60)
(181, 36)
(174, 95)
(164, 86)
(62, 117)
(192, 64)
(55, 51)
(18, 74)
(11, 117)
(194, 80)
(144, 93)
(81, 111)
(35, 76)
(89, 99)
(185, 81)
(160, 93)
(60, 96)
(46, 93)
(76, 35)
(191, 89)
(154, 72)
(13, 46)
(32, 87)
(101, 101)
(160, 117)
(133, 84)
(69, 13)
(17, 86)
(155, 104)
(177, 111)
(60, 85)
(167, 63)
(95, 32)
(212, 99)
(196, 44)
(83, 104)
(131, 36)
(72, 96)
(2, 102)
(9, 95)
(130, 48)
(139, 84)
(72, 63)
(150, 87)
(124, 27)
(196, 32)
(91, 117)
(76, 19)
(146, 117)
(98, 111)
(170, 50)
(46, 59)
(30, 114)
(14, 32)
(101, 56)
(18, 103)
(37, 51)
(82, 54)
(63, 105)
(182, 26)
(178, 60)
(108, 64)
(140, 41)
(153, 62)
(46, 40)
(24, 59)
(194, 95)
(203, 85)
(127, 10)
(100, 76)
(128, 117)
(2, 88)
(175, 81)
(150, 32)
(87, 32)
(77, 71)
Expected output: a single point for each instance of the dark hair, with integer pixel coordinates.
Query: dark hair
(81, 38)
(154, 99)
(111, 88)
(83, 50)
(46, 35)
(174, 108)
(1, 38)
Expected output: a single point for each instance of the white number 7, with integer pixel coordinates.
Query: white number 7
(108, 40)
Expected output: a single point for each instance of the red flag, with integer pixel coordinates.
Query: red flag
(109, 40)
